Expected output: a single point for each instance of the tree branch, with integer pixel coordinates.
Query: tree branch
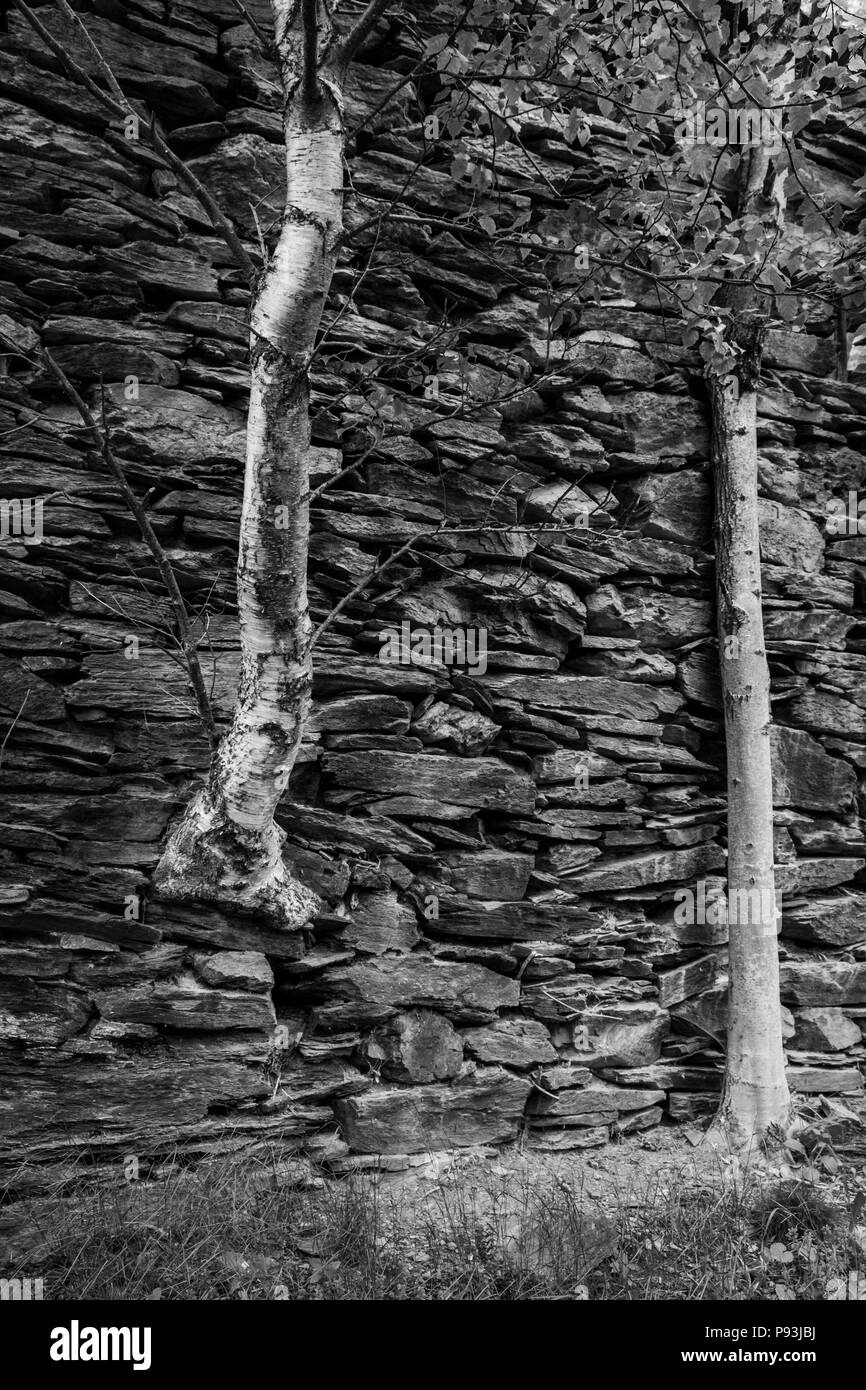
(78, 74)
(540, 527)
(101, 438)
(365, 25)
(116, 101)
(359, 589)
(264, 40)
(310, 26)
(14, 722)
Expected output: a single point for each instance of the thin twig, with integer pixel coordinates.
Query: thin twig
(266, 42)
(14, 722)
(364, 26)
(116, 101)
(359, 588)
(102, 439)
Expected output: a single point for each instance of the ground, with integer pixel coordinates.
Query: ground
(657, 1216)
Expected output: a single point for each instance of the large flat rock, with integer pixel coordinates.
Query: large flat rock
(593, 693)
(641, 870)
(523, 921)
(478, 783)
(511, 1042)
(670, 426)
(826, 921)
(466, 993)
(822, 983)
(482, 1108)
(807, 777)
(653, 618)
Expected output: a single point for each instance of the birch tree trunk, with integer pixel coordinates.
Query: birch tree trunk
(755, 1091)
(227, 848)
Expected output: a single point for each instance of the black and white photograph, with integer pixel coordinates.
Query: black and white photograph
(432, 673)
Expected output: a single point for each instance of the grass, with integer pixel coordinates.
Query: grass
(513, 1231)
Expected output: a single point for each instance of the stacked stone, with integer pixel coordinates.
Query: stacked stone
(498, 850)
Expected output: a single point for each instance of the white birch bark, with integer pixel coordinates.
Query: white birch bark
(227, 848)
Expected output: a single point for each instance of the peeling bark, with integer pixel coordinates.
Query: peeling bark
(227, 848)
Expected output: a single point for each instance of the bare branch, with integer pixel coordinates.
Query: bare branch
(14, 722)
(363, 28)
(116, 101)
(359, 589)
(101, 438)
(442, 530)
(310, 24)
(264, 39)
(107, 72)
(77, 73)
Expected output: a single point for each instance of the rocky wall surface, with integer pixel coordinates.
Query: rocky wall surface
(497, 843)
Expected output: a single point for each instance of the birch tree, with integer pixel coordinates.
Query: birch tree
(722, 261)
(773, 54)
(755, 1094)
(719, 257)
(227, 848)
(781, 61)
(722, 258)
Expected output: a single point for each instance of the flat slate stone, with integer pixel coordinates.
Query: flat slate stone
(597, 1098)
(512, 1042)
(828, 1081)
(416, 1047)
(824, 1030)
(523, 921)
(381, 923)
(682, 866)
(674, 506)
(563, 1141)
(593, 693)
(686, 980)
(825, 713)
(237, 970)
(654, 618)
(183, 1006)
(619, 1035)
(826, 921)
(479, 783)
(789, 537)
(490, 873)
(482, 1108)
(666, 1076)
(465, 993)
(825, 982)
(664, 425)
(382, 713)
(807, 777)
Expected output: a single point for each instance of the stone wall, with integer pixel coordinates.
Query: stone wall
(499, 951)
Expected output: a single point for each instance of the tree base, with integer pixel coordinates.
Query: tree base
(750, 1129)
(210, 859)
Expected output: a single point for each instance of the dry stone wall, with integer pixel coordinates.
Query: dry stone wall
(499, 842)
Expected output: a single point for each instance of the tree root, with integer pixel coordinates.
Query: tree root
(210, 859)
